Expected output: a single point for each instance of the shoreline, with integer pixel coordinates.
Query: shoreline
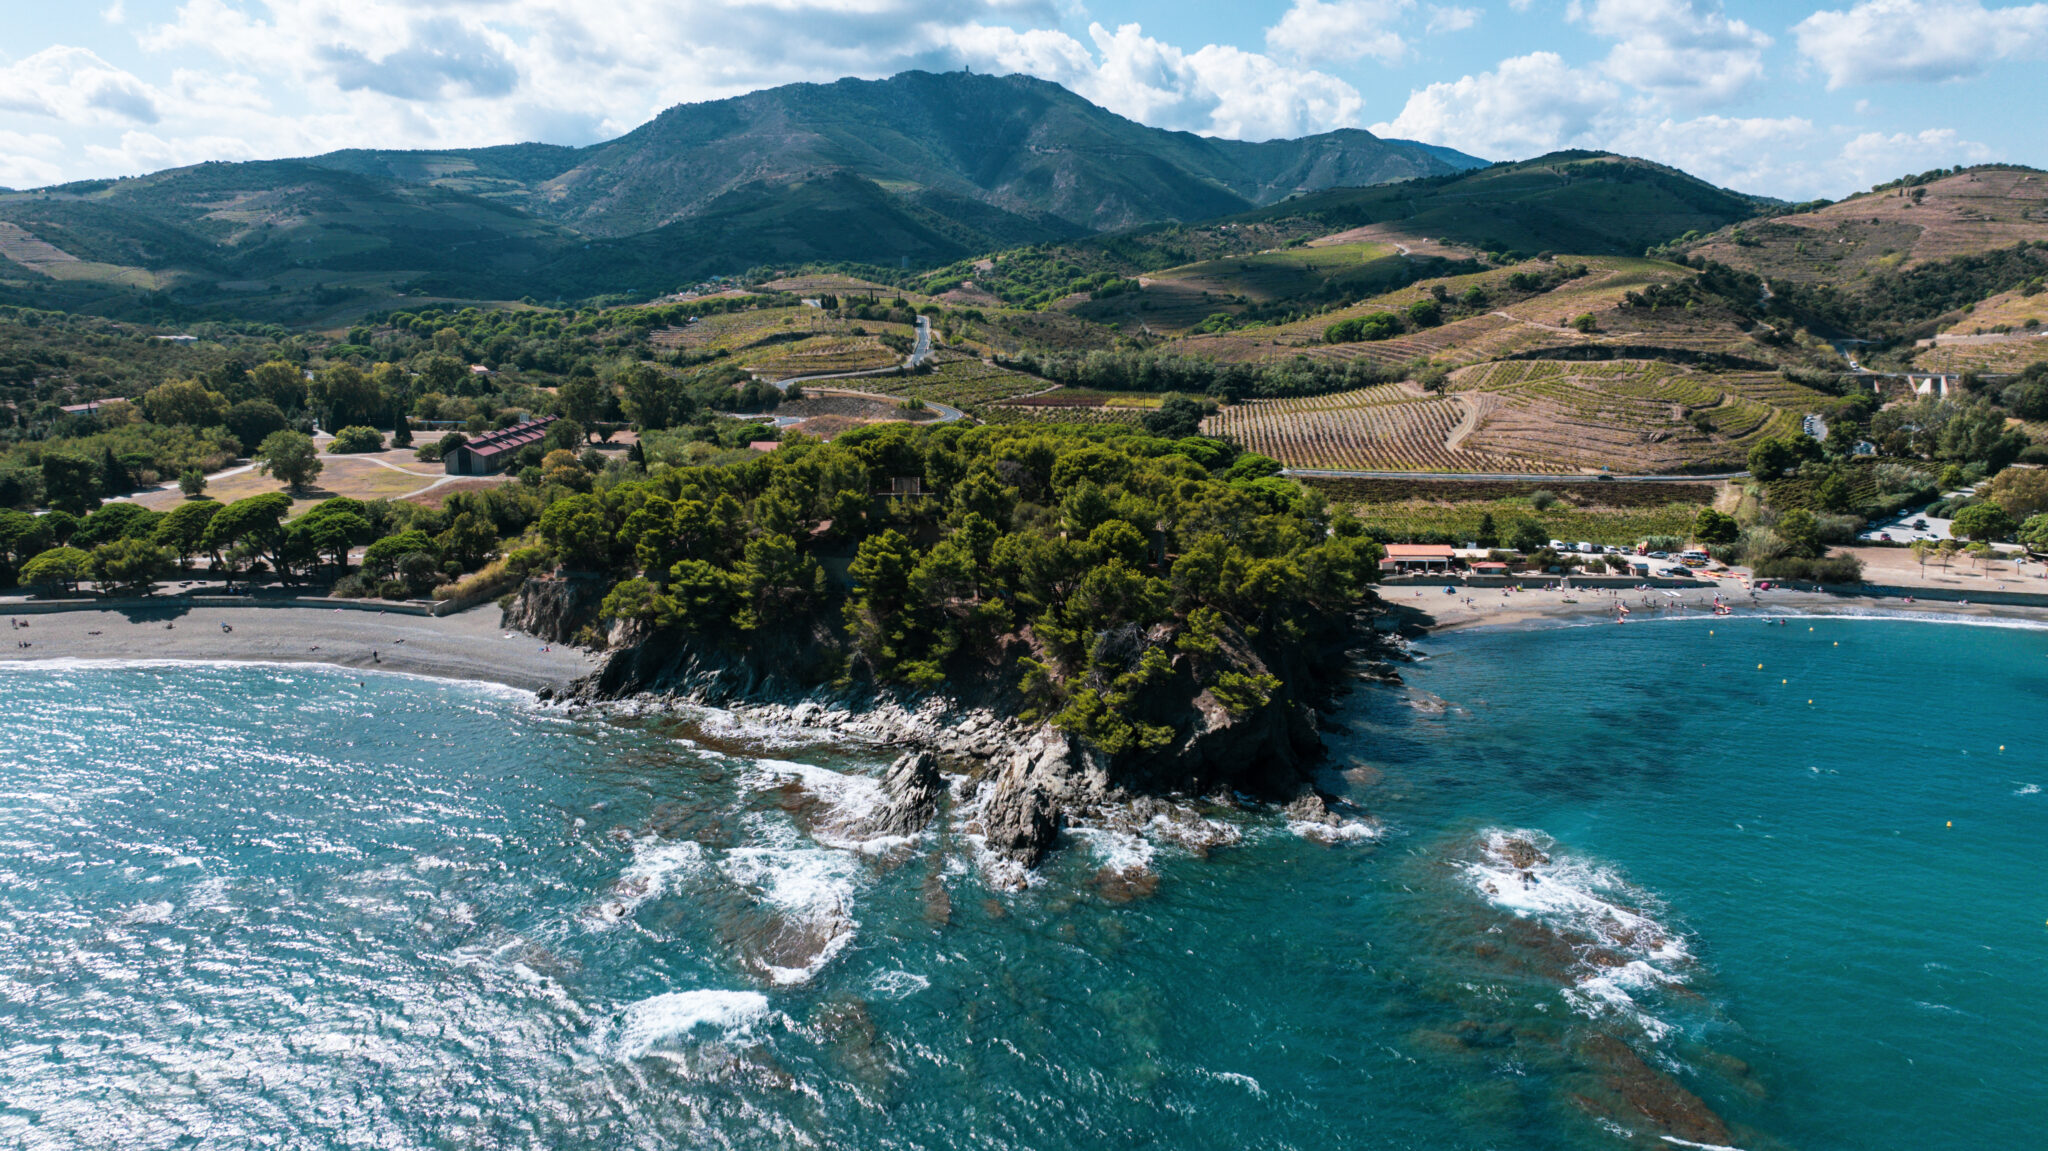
(1531, 610)
(467, 645)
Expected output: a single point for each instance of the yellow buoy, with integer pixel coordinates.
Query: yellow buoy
(1759, 667)
(1951, 823)
(1809, 703)
(1784, 681)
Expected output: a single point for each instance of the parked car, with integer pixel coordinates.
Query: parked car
(1660, 555)
(1919, 525)
(1886, 536)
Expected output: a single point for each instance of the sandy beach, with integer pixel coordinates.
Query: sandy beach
(469, 645)
(1489, 608)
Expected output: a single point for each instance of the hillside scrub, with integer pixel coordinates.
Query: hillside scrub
(1129, 371)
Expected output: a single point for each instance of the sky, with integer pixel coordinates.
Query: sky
(1791, 99)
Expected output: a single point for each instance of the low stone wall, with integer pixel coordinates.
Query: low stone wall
(1543, 581)
(185, 602)
(1938, 594)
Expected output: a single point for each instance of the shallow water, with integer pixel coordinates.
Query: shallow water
(250, 906)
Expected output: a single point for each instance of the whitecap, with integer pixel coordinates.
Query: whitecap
(657, 864)
(678, 1014)
(897, 984)
(1124, 852)
(1673, 1139)
(1245, 1081)
(159, 911)
(1343, 831)
(848, 801)
(2029, 789)
(812, 891)
(1623, 951)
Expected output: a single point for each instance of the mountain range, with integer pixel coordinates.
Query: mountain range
(917, 169)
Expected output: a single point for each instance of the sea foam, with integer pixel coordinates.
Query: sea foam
(678, 1014)
(1622, 950)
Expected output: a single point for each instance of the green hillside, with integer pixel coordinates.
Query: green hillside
(1583, 202)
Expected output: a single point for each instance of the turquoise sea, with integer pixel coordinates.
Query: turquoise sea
(1627, 889)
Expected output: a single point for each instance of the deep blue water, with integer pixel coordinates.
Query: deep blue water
(251, 906)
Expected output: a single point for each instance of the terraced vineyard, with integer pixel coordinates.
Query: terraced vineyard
(1628, 414)
(1008, 414)
(1384, 428)
(967, 384)
(823, 354)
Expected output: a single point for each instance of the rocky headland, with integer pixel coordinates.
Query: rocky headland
(1012, 785)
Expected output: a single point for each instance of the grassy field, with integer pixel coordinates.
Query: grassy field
(1457, 523)
(1579, 493)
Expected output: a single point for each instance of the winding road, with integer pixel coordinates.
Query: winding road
(919, 353)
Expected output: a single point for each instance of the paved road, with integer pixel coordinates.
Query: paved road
(1516, 477)
(923, 350)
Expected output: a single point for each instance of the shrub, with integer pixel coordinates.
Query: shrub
(1831, 569)
(1375, 326)
(357, 439)
(192, 482)
(354, 586)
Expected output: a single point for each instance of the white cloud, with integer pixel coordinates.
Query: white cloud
(1526, 106)
(28, 159)
(1451, 18)
(75, 86)
(1925, 40)
(1218, 90)
(1535, 104)
(1875, 157)
(1688, 50)
(1341, 30)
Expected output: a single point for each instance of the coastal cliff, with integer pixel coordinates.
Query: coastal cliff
(1019, 778)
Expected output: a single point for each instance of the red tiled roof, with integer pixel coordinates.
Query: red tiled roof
(511, 439)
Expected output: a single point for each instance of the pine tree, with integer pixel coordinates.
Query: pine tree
(113, 474)
(401, 435)
(637, 454)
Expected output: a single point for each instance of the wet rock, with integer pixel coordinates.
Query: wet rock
(913, 785)
(1021, 818)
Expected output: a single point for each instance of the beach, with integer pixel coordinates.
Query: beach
(1490, 608)
(468, 645)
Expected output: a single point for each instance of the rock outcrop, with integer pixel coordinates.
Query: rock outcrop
(555, 609)
(914, 787)
(1025, 781)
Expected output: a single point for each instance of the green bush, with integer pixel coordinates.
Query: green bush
(357, 439)
(1830, 569)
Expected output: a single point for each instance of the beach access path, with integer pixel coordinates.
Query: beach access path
(467, 645)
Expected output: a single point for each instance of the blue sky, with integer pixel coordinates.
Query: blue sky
(1790, 99)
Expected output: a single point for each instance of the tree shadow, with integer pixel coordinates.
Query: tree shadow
(164, 612)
